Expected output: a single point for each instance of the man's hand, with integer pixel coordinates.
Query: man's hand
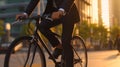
(57, 15)
(21, 16)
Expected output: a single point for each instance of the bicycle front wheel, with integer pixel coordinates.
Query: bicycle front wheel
(24, 52)
(80, 52)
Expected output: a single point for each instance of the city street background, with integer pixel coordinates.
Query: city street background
(99, 26)
(99, 23)
(105, 58)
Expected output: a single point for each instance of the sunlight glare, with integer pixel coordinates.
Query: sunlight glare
(95, 11)
(105, 13)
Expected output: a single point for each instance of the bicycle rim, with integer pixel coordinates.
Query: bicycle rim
(80, 52)
(24, 53)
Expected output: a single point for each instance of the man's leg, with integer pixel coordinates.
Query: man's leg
(66, 42)
(44, 28)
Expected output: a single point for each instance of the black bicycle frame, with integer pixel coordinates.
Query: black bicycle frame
(38, 38)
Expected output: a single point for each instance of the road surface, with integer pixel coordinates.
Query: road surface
(107, 58)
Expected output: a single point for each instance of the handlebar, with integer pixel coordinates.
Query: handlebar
(22, 20)
(36, 18)
(37, 22)
(46, 17)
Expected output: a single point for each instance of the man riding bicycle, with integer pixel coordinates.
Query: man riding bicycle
(61, 12)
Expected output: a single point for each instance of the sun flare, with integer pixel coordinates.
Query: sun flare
(105, 13)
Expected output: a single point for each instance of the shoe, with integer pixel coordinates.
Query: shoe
(56, 53)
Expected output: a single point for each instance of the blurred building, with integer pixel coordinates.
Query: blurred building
(8, 11)
(114, 12)
(100, 12)
(88, 10)
(100, 22)
(9, 8)
(84, 10)
(92, 11)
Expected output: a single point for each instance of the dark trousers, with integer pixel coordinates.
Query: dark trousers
(67, 29)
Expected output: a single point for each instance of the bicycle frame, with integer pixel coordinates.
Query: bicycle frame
(37, 38)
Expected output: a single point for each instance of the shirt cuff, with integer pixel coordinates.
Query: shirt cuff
(61, 9)
(25, 13)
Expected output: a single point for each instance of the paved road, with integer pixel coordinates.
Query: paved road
(104, 59)
(107, 58)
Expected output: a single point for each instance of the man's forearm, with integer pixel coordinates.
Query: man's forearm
(31, 6)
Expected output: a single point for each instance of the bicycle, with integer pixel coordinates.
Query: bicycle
(30, 51)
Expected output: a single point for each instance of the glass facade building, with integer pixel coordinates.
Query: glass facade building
(8, 10)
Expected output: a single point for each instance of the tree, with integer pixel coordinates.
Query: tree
(114, 31)
(102, 33)
(99, 32)
(96, 33)
(84, 30)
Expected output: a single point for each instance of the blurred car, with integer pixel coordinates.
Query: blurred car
(4, 47)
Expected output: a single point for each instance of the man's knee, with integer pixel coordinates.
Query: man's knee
(42, 29)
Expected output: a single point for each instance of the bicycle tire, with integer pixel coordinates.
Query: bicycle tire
(18, 49)
(80, 52)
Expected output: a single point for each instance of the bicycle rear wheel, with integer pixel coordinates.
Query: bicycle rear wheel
(23, 52)
(80, 52)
